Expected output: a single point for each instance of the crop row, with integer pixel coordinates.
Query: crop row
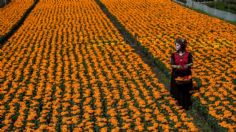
(12, 13)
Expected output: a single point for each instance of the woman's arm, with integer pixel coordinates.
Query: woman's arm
(190, 64)
(190, 60)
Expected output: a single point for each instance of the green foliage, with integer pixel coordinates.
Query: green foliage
(221, 5)
(234, 81)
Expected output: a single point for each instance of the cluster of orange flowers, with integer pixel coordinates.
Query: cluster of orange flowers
(11, 14)
(66, 71)
(211, 41)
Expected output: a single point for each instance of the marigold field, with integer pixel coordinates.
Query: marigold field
(10, 14)
(69, 68)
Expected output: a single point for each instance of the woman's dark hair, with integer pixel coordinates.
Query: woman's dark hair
(182, 42)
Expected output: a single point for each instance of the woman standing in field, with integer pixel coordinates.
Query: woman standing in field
(181, 81)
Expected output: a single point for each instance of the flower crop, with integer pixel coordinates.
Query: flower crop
(68, 68)
(11, 14)
(212, 42)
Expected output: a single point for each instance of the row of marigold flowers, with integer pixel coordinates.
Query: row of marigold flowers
(12, 15)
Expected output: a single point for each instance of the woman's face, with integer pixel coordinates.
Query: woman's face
(177, 46)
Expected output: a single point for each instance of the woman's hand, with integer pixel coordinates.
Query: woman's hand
(188, 65)
(177, 66)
